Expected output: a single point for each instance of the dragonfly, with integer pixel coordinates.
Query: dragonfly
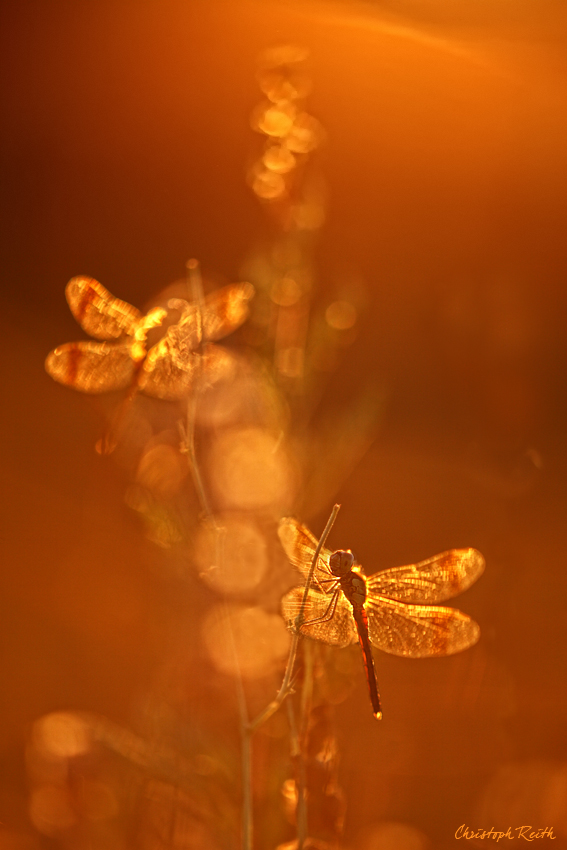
(120, 357)
(392, 610)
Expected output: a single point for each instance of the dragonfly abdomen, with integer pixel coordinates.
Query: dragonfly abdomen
(361, 621)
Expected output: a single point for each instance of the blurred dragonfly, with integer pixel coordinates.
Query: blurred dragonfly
(168, 369)
(391, 610)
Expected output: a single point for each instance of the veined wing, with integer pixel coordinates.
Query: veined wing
(299, 546)
(340, 630)
(98, 312)
(223, 312)
(92, 367)
(433, 580)
(418, 631)
(162, 376)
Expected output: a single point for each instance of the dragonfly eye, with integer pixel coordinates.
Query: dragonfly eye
(341, 562)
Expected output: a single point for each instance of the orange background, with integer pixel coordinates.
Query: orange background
(125, 143)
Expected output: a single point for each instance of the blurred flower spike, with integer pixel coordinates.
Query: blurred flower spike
(291, 133)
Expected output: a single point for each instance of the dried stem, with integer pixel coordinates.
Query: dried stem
(287, 685)
(195, 286)
(306, 699)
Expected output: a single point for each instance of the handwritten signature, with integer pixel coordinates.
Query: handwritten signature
(528, 833)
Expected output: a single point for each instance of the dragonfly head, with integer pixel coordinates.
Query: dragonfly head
(341, 562)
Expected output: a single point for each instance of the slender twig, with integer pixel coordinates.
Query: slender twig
(195, 286)
(306, 699)
(286, 685)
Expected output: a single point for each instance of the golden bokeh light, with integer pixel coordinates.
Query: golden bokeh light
(51, 810)
(278, 85)
(250, 469)
(162, 469)
(282, 55)
(61, 735)
(286, 292)
(305, 134)
(242, 552)
(248, 397)
(290, 361)
(341, 315)
(275, 119)
(267, 184)
(245, 641)
(278, 158)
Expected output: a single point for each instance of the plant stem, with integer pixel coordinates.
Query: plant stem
(287, 685)
(195, 286)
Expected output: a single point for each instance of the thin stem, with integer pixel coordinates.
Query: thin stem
(306, 699)
(246, 743)
(286, 685)
(195, 286)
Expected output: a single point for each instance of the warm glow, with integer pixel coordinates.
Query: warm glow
(278, 158)
(341, 315)
(276, 120)
(268, 184)
(232, 559)
(289, 361)
(51, 810)
(97, 801)
(305, 134)
(61, 735)
(250, 469)
(286, 292)
(162, 469)
(394, 836)
(248, 640)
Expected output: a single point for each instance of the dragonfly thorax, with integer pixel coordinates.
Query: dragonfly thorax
(341, 562)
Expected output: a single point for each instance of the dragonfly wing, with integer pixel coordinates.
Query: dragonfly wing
(162, 376)
(98, 312)
(339, 630)
(418, 631)
(218, 364)
(299, 546)
(184, 336)
(225, 310)
(92, 367)
(433, 580)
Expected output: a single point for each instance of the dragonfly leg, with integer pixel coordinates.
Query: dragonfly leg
(332, 580)
(329, 613)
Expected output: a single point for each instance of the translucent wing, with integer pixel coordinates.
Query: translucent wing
(225, 310)
(432, 580)
(418, 631)
(162, 376)
(299, 546)
(98, 312)
(218, 364)
(92, 367)
(340, 630)
(182, 338)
